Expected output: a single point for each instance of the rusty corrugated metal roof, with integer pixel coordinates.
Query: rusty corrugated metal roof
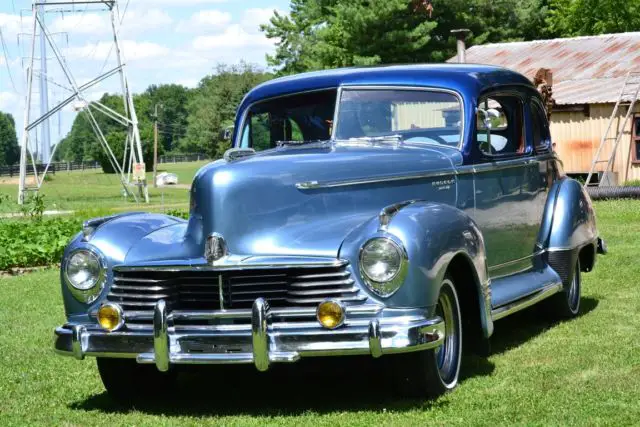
(586, 70)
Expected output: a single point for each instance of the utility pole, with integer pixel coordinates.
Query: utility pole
(155, 145)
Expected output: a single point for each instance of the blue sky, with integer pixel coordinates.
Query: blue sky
(164, 41)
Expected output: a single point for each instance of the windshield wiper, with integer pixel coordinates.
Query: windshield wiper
(395, 138)
(296, 143)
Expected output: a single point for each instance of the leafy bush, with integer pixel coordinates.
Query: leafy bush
(34, 206)
(36, 241)
(32, 243)
(178, 213)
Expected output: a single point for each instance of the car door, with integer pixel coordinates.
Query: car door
(510, 183)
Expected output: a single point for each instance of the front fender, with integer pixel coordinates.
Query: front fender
(113, 237)
(433, 235)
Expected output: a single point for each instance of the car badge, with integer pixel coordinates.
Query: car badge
(215, 248)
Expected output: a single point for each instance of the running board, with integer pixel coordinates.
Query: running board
(528, 301)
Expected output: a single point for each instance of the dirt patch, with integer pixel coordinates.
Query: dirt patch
(19, 271)
(15, 180)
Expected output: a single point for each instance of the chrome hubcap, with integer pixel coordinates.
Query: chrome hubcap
(447, 355)
(574, 290)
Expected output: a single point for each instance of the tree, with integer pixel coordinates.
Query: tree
(213, 106)
(321, 34)
(9, 148)
(82, 144)
(172, 117)
(590, 17)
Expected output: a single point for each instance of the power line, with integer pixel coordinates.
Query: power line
(181, 135)
(6, 61)
(126, 7)
(172, 126)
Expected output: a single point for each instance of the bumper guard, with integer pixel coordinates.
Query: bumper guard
(260, 336)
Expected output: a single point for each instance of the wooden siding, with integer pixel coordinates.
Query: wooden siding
(577, 138)
(421, 114)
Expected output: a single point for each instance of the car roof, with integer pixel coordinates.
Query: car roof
(463, 78)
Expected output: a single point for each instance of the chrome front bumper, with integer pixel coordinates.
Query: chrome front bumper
(260, 336)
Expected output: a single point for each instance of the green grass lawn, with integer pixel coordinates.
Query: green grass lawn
(91, 189)
(581, 372)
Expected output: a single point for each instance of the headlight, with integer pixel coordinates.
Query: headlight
(84, 273)
(383, 265)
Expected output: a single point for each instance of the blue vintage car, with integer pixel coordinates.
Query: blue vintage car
(396, 212)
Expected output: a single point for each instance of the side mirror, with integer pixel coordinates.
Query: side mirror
(488, 117)
(227, 133)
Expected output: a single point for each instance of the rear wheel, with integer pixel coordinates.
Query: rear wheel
(431, 373)
(126, 380)
(566, 304)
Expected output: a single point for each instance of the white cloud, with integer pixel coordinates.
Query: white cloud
(8, 101)
(135, 22)
(253, 18)
(233, 37)
(181, 2)
(132, 50)
(11, 25)
(205, 20)
(87, 23)
(139, 21)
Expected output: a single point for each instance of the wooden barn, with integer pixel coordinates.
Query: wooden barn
(588, 79)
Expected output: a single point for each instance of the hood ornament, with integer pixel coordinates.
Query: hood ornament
(215, 248)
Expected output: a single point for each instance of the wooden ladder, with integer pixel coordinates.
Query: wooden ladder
(628, 98)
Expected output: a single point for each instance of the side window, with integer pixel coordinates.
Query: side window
(260, 135)
(500, 126)
(635, 139)
(541, 135)
(268, 129)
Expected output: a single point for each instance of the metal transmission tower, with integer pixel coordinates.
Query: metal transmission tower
(45, 148)
(132, 163)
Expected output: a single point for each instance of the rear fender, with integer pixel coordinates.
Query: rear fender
(569, 221)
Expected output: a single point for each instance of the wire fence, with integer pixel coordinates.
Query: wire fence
(14, 170)
(178, 158)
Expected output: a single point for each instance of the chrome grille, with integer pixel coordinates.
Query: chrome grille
(139, 290)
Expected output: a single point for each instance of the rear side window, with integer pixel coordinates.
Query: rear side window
(541, 135)
(500, 126)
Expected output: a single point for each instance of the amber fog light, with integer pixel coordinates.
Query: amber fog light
(330, 314)
(110, 317)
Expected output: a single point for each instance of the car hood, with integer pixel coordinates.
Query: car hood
(260, 207)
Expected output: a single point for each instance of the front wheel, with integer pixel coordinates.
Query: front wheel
(431, 373)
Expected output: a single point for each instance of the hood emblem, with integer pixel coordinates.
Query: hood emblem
(215, 248)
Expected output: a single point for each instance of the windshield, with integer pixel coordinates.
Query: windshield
(418, 116)
(414, 115)
(301, 117)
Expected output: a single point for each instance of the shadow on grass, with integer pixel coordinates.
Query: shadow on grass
(527, 324)
(320, 385)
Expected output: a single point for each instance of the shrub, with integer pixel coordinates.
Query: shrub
(32, 243)
(178, 213)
